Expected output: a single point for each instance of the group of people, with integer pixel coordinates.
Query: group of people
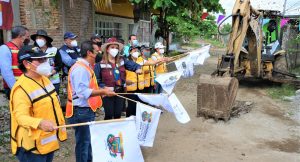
(96, 73)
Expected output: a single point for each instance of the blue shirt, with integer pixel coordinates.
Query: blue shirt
(80, 80)
(6, 66)
(126, 50)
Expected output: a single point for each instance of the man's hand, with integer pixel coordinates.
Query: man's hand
(139, 71)
(168, 59)
(108, 92)
(47, 126)
(129, 82)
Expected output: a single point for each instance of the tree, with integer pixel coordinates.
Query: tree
(226, 29)
(181, 16)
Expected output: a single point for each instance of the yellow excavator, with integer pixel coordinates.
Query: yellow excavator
(249, 55)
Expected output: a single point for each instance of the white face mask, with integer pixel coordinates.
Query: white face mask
(74, 43)
(40, 42)
(113, 52)
(135, 54)
(44, 69)
(161, 51)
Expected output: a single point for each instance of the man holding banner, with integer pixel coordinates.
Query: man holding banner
(84, 98)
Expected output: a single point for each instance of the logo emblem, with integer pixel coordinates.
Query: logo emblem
(115, 145)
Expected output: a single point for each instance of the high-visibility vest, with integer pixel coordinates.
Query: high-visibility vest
(14, 61)
(149, 77)
(94, 102)
(44, 105)
(161, 68)
(137, 79)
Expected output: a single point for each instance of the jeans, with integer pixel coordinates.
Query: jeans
(7, 93)
(83, 148)
(24, 156)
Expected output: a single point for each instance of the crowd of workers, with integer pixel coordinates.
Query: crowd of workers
(96, 72)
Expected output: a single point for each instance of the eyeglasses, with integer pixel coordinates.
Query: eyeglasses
(40, 60)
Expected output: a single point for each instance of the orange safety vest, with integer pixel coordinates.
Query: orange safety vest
(94, 102)
(14, 64)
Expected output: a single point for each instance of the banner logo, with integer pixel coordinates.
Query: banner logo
(115, 145)
(147, 116)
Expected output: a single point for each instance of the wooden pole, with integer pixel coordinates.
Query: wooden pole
(93, 122)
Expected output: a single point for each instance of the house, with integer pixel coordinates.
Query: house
(82, 17)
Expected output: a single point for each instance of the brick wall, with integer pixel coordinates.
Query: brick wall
(42, 14)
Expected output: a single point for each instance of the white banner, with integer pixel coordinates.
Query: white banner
(147, 119)
(186, 66)
(168, 80)
(159, 100)
(204, 54)
(115, 142)
(180, 113)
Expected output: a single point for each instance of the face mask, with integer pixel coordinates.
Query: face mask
(74, 43)
(40, 42)
(161, 51)
(135, 42)
(135, 54)
(147, 53)
(113, 52)
(43, 69)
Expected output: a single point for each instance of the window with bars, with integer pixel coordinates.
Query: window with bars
(108, 29)
(144, 31)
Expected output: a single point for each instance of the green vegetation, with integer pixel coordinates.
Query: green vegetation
(282, 91)
(182, 17)
(215, 43)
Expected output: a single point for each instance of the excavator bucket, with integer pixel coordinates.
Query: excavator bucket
(216, 96)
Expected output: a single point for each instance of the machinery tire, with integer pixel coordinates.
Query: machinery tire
(280, 64)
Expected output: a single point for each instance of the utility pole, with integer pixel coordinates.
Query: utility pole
(284, 8)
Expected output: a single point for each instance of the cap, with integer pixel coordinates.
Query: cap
(133, 47)
(30, 52)
(145, 47)
(159, 45)
(96, 36)
(69, 35)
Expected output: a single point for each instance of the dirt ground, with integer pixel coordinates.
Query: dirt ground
(266, 134)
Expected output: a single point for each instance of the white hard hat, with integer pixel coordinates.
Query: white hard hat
(159, 45)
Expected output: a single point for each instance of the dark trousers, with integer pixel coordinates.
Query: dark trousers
(131, 108)
(148, 89)
(113, 107)
(27, 156)
(57, 86)
(7, 93)
(158, 88)
(83, 148)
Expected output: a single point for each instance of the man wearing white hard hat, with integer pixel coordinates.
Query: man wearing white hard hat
(159, 68)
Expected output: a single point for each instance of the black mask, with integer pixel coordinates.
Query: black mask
(99, 44)
(26, 42)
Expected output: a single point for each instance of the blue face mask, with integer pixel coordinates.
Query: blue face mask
(147, 53)
(135, 42)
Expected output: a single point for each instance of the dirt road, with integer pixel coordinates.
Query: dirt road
(265, 134)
